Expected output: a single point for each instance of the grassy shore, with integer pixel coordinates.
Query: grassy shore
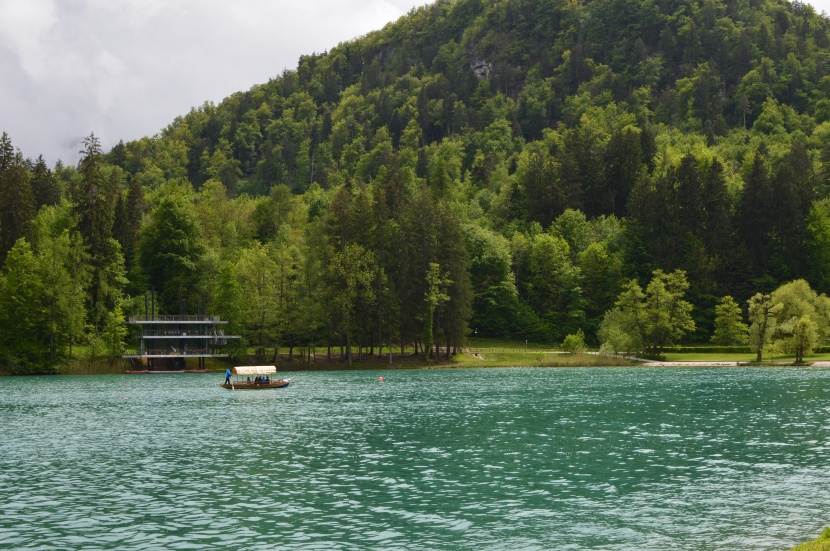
(485, 354)
(822, 543)
(478, 354)
(742, 358)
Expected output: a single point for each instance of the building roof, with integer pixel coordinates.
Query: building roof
(255, 370)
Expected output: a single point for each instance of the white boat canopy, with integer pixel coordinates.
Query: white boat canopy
(255, 370)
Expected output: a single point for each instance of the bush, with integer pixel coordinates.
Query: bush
(575, 343)
(11, 364)
(607, 350)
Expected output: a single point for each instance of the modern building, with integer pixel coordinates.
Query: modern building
(165, 343)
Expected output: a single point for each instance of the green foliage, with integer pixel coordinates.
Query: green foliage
(435, 295)
(65, 274)
(575, 343)
(113, 334)
(657, 317)
(818, 243)
(351, 274)
(799, 336)
(822, 543)
(729, 325)
(803, 318)
(16, 200)
(541, 153)
(616, 335)
(24, 315)
(170, 249)
(762, 317)
(552, 285)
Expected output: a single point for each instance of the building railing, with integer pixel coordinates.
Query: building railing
(168, 333)
(202, 319)
(176, 352)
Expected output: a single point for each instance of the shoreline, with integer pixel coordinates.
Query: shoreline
(463, 361)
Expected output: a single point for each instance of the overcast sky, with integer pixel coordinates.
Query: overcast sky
(126, 68)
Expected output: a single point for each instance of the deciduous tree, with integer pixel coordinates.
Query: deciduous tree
(762, 317)
(729, 326)
(659, 316)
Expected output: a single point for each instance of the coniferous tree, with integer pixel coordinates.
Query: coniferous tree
(754, 215)
(623, 158)
(452, 257)
(170, 250)
(95, 201)
(17, 207)
(793, 194)
(45, 189)
(127, 221)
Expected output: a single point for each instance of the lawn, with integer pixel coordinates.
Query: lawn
(822, 543)
(733, 357)
(477, 353)
(504, 357)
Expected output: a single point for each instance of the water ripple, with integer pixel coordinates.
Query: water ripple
(490, 459)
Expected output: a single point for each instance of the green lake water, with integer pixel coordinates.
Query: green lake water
(614, 458)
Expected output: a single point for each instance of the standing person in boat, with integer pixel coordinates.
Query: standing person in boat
(228, 376)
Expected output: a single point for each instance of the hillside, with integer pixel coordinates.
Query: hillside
(499, 168)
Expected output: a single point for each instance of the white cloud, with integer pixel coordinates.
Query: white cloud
(126, 69)
(821, 6)
(23, 26)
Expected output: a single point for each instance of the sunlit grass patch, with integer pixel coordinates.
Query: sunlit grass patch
(822, 543)
(495, 357)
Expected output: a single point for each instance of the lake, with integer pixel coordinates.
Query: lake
(608, 458)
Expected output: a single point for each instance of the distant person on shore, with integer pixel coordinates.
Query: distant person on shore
(228, 376)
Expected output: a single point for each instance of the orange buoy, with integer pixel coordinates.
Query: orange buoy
(380, 379)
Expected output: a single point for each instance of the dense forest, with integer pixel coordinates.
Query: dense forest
(503, 168)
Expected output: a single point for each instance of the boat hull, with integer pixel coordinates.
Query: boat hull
(282, 383)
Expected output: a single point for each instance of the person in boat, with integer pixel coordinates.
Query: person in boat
(228, 376)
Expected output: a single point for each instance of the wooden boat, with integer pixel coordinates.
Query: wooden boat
(255, 377)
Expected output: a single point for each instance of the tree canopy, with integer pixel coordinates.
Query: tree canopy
(567, 166)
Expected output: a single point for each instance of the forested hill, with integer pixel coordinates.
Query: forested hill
(501, 168)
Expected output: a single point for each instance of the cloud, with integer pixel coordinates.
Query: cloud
(126, 69)
(820, 5)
